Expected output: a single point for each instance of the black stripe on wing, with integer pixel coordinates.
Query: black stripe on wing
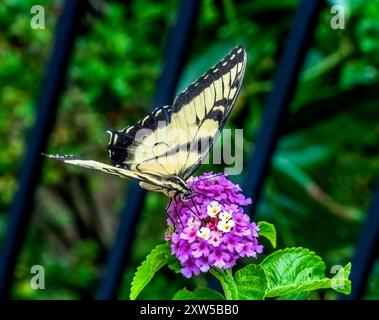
(237, 55)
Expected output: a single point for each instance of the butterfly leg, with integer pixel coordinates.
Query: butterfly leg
(177, 212)
(197, 213)
(169, 216)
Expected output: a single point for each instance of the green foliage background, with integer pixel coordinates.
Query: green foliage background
(322, 176)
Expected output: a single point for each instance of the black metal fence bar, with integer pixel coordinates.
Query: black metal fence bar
(366, 251)
(32, 163)
(277, 105)
(177, 48)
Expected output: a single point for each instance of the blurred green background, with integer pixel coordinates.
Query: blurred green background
(322, 176)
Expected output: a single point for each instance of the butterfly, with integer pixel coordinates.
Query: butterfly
(164, 149)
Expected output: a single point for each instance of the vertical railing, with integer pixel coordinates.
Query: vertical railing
(276, 110)
(52, 87)
(278, 102)
(177, 47)
(366, 251)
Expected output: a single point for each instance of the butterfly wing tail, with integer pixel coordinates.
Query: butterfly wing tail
(94, 165)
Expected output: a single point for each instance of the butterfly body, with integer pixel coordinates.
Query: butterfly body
(177, 187)
(166, 147)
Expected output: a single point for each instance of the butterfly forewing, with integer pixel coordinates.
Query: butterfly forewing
(173, 140)
(204, 107)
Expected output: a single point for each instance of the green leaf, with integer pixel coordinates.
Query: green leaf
(341, 282)
(294, 296)
(227, 282)
(295, 270)
(198, 294)
(251, 282)
(268, 231)
(155, 260)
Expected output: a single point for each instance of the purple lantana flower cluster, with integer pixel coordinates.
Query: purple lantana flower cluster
(211, 229)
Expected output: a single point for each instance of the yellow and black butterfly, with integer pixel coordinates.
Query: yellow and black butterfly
(165, 148)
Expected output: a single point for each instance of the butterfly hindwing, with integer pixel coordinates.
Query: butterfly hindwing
(95, 165)
(148, 181)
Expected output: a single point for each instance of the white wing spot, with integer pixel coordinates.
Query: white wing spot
(206, 77)
(232, 56)
(239, 50)
(225, 63)
(110, 136)
(215, 70)
(144, 120)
